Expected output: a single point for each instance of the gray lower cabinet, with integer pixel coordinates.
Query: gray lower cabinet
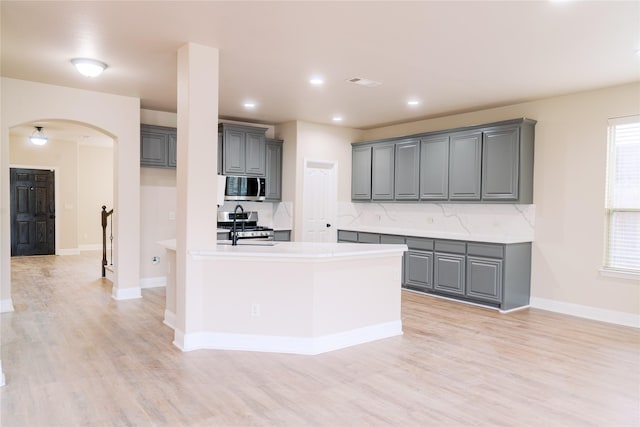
(157, 146)
(382, 172)
(222, 235)
(491, 274)
(465, 156)
(273, 170)
(282, 235)
(484, 278)
(449, 266)
(434, 168)
(407, 170)
(448, 274)
(243, 150)
(418, 270)
(361, 173)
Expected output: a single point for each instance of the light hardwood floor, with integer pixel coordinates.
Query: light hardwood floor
(73, 356)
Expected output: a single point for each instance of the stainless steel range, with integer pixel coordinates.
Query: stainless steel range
(246, 224)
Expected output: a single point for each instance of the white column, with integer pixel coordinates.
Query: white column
(196, 178)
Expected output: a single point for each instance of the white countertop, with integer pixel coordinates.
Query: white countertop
(298, 250)
(488, 238)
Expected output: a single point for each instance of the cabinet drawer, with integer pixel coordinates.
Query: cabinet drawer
(450, 246)
(420, 244)
(392, 240)
(347, 236)
(282, 235)
(485, 249)
(368, 238)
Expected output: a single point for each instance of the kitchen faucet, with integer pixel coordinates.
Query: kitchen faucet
(234, 235)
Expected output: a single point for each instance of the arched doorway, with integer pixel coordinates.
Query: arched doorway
(57, 188)
(117, 116)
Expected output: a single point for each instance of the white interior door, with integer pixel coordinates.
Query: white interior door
(320, 201)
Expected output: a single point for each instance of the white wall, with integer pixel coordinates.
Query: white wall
(569, 187)
(95, 189)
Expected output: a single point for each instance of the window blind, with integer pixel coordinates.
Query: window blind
(623, 195)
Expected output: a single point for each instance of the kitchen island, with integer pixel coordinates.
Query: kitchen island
(290, 297)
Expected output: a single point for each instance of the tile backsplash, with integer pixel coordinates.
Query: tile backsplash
(504, 220)
(499, 220)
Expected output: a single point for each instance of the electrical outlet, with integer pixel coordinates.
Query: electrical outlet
(255, 310)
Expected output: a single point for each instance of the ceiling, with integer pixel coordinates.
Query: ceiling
(451, 56)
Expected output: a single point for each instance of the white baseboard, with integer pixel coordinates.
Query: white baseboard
(6, 305)
(283, 344)
(609, 316)
(91, 247)
(126, 293)
(70, 251)
(170, 319)
(153, 282)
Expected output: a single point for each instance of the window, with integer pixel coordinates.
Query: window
(622, 207)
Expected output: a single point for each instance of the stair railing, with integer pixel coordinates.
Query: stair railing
(106, 220)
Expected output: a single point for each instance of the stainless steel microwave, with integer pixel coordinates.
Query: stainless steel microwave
(244, 188)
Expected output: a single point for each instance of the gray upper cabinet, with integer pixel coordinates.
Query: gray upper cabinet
(500, 164)
(382, 171)
(490, 163)
(219, 153)
(407, 169)
(507, 163)
(243, 150)
(361, 173)
(465, 151)
(434, 168)
(273, 149)
(157, 146)
(255, 154)
(172, 160)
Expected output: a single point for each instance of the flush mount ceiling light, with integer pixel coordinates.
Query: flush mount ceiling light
(89, 67)
(37, 137)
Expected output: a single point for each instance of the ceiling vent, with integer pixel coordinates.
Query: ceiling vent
(364, 82)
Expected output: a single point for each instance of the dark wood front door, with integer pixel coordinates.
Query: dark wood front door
(32, 212)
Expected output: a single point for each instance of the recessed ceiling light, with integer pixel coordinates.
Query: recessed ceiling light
(364, 82)
(337, 118)
(413, 102)
(89, 67)
(316, 81)
(249, 105)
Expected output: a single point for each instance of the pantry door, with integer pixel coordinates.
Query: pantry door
(32, 212)
(320, 201)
